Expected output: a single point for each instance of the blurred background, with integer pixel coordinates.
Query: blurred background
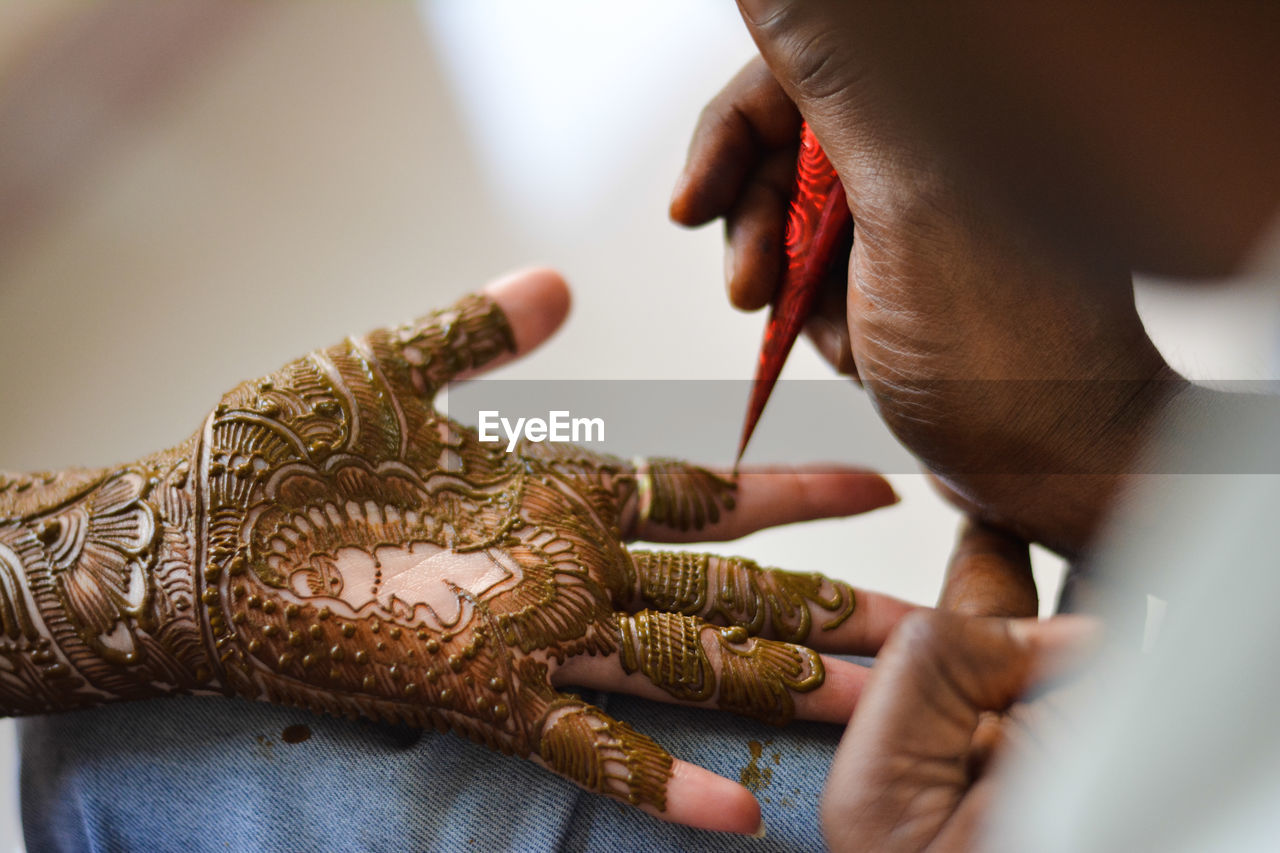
(192, 193)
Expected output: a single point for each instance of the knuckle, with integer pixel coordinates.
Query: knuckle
(814, 78)
(815, 67)
(710, 116)
(770, 18)
(722, 119)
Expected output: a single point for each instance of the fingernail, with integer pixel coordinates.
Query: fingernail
(728, 267)
(890, 496)
(760, 830)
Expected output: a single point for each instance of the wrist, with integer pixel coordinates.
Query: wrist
(1086, 466)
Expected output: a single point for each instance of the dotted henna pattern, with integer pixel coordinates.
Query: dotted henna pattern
(328, 540)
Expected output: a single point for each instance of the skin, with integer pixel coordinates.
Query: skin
(1002, 192)
(1021, 377)
(328, 540)
(1134, 132)
(1003, 189)
(918, 765)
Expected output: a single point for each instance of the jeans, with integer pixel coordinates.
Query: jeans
(194, 774)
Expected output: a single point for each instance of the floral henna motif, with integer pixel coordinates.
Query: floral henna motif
(96, 594)
(329, 540)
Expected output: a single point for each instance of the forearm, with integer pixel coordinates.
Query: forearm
(97, 587)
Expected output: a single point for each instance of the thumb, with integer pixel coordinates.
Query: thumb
(829, 61)
(535, 303)
(979, 663)
(802, 42)
(989, 574)
(811, 49)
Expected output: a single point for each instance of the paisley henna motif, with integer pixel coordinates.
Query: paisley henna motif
(329, 540)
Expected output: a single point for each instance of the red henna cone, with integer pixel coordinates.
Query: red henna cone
(817, 224)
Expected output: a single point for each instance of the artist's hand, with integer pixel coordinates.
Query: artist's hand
(329, 540)
(1020, 376)
(919, 764)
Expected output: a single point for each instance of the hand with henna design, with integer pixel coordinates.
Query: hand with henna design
(328, 540)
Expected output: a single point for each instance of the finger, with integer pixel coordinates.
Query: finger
(680, 502)
(922, 702)
(748, 118)
(968, 669)
(989, 574)
(674, 658)
(481, 330)
(699, 798)
(1057, 644)
(807, 48)
(974, 664)
(988, 738)
(755, 233)
(535, 303)
(831, 702)
(603, 755)
(809, 609)
(1002, 736)
(915, 723)
(969, 824)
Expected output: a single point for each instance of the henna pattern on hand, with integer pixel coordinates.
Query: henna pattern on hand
(96, 590)
(681, 496)
(755, 679)
(735, 591)
(328, 540)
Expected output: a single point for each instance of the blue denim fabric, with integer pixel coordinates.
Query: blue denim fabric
(196, 774)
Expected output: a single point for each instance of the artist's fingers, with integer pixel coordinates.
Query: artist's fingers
(601, 754)
(749, 118)
(680, 502)
(989, 574)
(810, 609)
(674, 658)
(535, 303)
(755, 232)
(905, 760)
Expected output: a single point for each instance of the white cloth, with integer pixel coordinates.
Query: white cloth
(1178, 749)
